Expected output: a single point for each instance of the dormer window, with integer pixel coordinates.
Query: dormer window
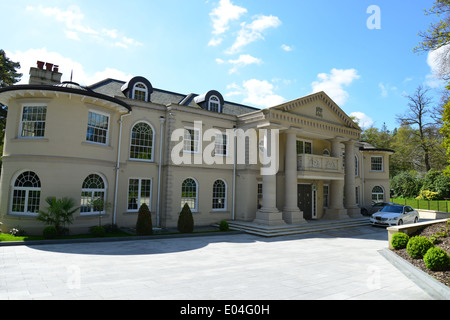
(138, 88)
(211, 101)
(214, 104)
(140, 92)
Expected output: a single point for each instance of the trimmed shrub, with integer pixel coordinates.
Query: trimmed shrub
(98, 231)
(223, 226)
(399, 240)
(186, 220)
(144, 226)
(50, 232)
(437, 259)
(418, 246)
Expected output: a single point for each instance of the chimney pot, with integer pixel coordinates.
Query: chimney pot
(55, 68)
(40, 65)
(49, 66)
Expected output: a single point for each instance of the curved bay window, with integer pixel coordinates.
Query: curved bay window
(189, 194)
(93, 195)
(377, 194)
(26, 194)
(141, 142)
(219, 198)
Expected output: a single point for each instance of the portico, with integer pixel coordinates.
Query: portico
(315, 138)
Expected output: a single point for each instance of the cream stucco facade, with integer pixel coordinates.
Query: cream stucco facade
(120, 142)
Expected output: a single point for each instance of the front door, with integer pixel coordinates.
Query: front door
(305, 200)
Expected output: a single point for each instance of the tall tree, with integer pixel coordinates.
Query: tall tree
(419, 115)
(437, 37)
(438, 33)
(378, 138)
(407, 156)
(8, 77)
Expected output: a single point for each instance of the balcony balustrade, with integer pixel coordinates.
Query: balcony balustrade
(311, 162)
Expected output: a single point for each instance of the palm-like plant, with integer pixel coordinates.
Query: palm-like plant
(59, 213)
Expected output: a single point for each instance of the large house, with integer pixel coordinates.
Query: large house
(122, 144)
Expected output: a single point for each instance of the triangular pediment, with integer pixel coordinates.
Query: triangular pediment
(318, 106)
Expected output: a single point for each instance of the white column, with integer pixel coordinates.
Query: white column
(350, 183)
(291, 212)
(336, 208)
(269, 214)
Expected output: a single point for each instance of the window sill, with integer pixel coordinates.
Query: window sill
(94, 144)
(219, 211)
(92, 215)
(22, 215)
(141, 160)
(29, 140)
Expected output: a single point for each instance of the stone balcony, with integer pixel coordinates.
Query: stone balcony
(320, 166)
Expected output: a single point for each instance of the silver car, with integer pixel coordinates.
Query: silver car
(369, 210)
(395, 215)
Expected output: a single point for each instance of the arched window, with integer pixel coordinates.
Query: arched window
(219, 198)
(26, 194)
(93, 195)
(141, 142)
(140, 92)
(214, 104)
(189, 194)
(377, 194)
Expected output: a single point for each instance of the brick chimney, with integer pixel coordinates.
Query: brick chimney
(49, 75)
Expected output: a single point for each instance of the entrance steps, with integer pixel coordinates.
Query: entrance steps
(290, 229)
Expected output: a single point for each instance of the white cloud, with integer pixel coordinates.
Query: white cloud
(256, 92)
(75, 25)
(385, 88)
(364, 120)
(72, 18)
(66, 65)
(112, 33)
(221, 17)
(253, 31)
(109, 73)
(439, 63)
(333, 84)
(126, 42)
(242, 61)
(286, 47)
(384, 92)
(73, 35)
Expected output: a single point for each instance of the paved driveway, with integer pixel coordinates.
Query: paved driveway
(342, 264)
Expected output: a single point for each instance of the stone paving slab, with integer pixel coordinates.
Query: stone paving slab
(333, 265)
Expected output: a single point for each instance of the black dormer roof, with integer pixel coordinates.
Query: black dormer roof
(127, 88)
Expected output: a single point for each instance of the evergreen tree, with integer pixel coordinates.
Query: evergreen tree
(8, 77)
(144, 224)
(186, 220)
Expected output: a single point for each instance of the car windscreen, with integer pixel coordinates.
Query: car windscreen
(396, 209)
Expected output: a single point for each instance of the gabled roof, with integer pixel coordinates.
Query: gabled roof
(322, 96)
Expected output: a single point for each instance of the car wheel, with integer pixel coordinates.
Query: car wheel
(400, 222)
(364, 212)
(416, 220)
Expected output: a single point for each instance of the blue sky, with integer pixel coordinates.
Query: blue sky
(256, 52)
